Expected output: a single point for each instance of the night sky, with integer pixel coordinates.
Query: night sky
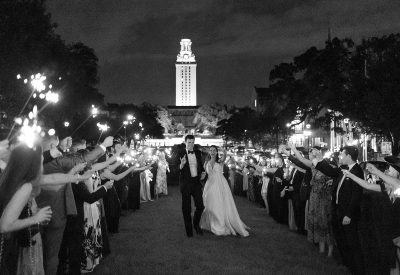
(236, 43)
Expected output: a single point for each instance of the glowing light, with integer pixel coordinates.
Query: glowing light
(37, 82)
(102, 127)
(137, 136)
(307, 133)
(25, 80)
(34, 95)
(397, 192)
(18, 120)
(288, 125)
(41, 96)
(327, 154)
(51, 132)
(50, 86)
(29, 134)
(130, 117)
(18, 76)
(140, 124)
(51, 97)
(66, 124)
(95, 111)
(126, 122)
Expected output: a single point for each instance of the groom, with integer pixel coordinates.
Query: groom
(191, 172)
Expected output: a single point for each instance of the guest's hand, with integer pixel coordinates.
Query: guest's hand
(183, 162)
(108, 141)
(347, 173)
(66, 143)
(203, 176)
(109, 184)
(78, 168)
(43, 215)
(346, 220)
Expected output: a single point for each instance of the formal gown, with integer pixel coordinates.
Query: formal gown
(161, 179)
(93, 237)
(220, 215)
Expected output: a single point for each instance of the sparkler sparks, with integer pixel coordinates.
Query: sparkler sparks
(102, 127)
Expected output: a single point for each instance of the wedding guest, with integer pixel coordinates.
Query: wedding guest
(161, 179)
(252, 180)
(300, 192)
(319, 218)
(61, 201)
(346, 201)
(18, 189)
(19, 186)
(392, 173)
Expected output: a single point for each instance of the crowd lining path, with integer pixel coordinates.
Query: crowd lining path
(153, 241)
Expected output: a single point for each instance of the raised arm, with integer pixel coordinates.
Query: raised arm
(263, 169)
(394, 182)
(302, 159)
(10, 222)
(111, 176)
(59, 178)
(363, 183)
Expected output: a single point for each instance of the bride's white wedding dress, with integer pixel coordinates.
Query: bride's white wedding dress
(220, 215)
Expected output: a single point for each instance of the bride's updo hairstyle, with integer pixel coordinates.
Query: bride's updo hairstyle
(216, 149)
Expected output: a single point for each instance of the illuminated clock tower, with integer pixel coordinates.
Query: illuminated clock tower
(186, 75)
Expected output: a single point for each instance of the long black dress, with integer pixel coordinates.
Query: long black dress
(134, 191)
(112, 209)
(279, 210)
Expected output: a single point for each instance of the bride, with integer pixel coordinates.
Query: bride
(220, 215)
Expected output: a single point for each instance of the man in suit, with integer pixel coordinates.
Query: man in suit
(191, 172)
(299, 206)
(62, 201)
(346, 200)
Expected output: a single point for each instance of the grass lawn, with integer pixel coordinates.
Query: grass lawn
(153, 241)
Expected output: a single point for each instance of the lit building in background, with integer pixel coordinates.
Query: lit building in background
(186, 75)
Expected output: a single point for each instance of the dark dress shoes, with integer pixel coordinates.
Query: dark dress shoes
(198, 230)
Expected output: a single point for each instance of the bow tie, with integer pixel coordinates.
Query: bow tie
(190, 152)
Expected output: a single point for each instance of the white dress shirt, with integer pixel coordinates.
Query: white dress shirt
(192, 163)
(341, 182)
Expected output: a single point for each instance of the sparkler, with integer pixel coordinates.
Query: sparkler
(37, 83)
(102, 128)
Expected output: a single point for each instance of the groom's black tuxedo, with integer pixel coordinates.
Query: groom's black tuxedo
(191, 186)
(184, 174)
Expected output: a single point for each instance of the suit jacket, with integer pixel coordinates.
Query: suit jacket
(298, 181)
(350, 193)
(62, 201)
(184, 173)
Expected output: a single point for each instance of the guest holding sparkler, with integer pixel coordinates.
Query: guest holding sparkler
(62, 201)
(161, 179)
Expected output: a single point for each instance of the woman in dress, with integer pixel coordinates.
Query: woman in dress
(20, 217)
(161, 179)
(319, 218)
(220, 215)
